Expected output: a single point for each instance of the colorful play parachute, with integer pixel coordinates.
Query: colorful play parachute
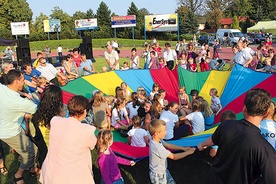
(231, 85)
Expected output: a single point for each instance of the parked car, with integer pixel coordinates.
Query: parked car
(233, 34)
(257, 37)
(250, 40)
(202, 39)
(206, 39)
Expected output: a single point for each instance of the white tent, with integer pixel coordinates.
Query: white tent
(267, 26)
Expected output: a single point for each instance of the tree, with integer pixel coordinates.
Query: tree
(214, 14)
(104, 21)
(103, 15)
(90, 13)
(182, 12)
(262, 9)
(133, 10)
(66, 21)
(14, 11)
(235, 23)
(246, 24)
(79, 15)
(238, 8)
(190, 24)
(193, 5)
(38, 28)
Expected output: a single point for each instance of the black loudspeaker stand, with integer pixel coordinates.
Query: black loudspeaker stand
(23, 52)
(86, 47)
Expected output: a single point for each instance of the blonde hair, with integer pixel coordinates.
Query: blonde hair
(136, 121)
(155, 126)
(104, 68)
(98, 99)
(183, 88)
(41, 80)
(214, 91)
(109, 99)
(206, 108)
(104, 138)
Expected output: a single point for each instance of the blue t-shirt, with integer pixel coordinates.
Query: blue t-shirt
(87, 64)
(268, 131)
(34, 73)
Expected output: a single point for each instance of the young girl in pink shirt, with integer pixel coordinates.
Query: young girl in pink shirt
(108, 161)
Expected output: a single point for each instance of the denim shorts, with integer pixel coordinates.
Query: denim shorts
(161, 178)
(118, 181)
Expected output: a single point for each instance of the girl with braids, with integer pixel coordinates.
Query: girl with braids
(108, 161)
(50, 105)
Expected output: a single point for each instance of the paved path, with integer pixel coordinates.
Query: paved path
(226, 53)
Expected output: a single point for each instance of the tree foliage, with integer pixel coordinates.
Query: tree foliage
(193, 5)
(190, 24)
(235, 23)
(104, 21)
(214, 14)
(13, 11)
(238, 8)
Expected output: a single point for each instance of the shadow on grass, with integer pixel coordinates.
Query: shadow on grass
(192, 169)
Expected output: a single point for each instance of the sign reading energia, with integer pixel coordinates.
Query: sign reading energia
(161, 23)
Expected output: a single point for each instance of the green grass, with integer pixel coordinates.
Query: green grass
(190, 170)
(68, 44)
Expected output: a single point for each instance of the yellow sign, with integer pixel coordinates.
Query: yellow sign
(161, 23)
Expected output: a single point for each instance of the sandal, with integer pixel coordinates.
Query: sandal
(15, 180)
(4, 171)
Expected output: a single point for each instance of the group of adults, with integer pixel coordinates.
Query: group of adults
(263, 59)
(34, 132)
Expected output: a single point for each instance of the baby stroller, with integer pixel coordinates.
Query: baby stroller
(217, 64)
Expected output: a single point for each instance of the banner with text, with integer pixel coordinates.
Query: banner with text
(20, 28)
(86, 24)
(161, 23)
(123, 21)
(52, 25)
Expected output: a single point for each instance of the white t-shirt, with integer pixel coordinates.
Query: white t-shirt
(197, 120)
(112, 58)
(49, 71)
(132, 111)
(170, 119)
(169, 55)
(118, 115)
(215, 101)
(242, 56)
(137, 137)
(59, 49)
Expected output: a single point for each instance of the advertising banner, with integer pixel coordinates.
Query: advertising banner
(123, 21)
(86, 24)
(20, 28)
(161, 23)
(52, 25)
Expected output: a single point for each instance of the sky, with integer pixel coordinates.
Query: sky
(119, 7)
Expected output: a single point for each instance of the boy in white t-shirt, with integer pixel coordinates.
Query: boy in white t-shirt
(196, 119)
(137, 136)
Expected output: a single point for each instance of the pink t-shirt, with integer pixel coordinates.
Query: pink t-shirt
(77, 60)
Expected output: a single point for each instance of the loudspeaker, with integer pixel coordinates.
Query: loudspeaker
(23, 52)
(86, 47)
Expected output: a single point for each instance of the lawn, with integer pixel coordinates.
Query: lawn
(190, 170)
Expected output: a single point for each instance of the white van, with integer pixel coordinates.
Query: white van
(233, 34)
